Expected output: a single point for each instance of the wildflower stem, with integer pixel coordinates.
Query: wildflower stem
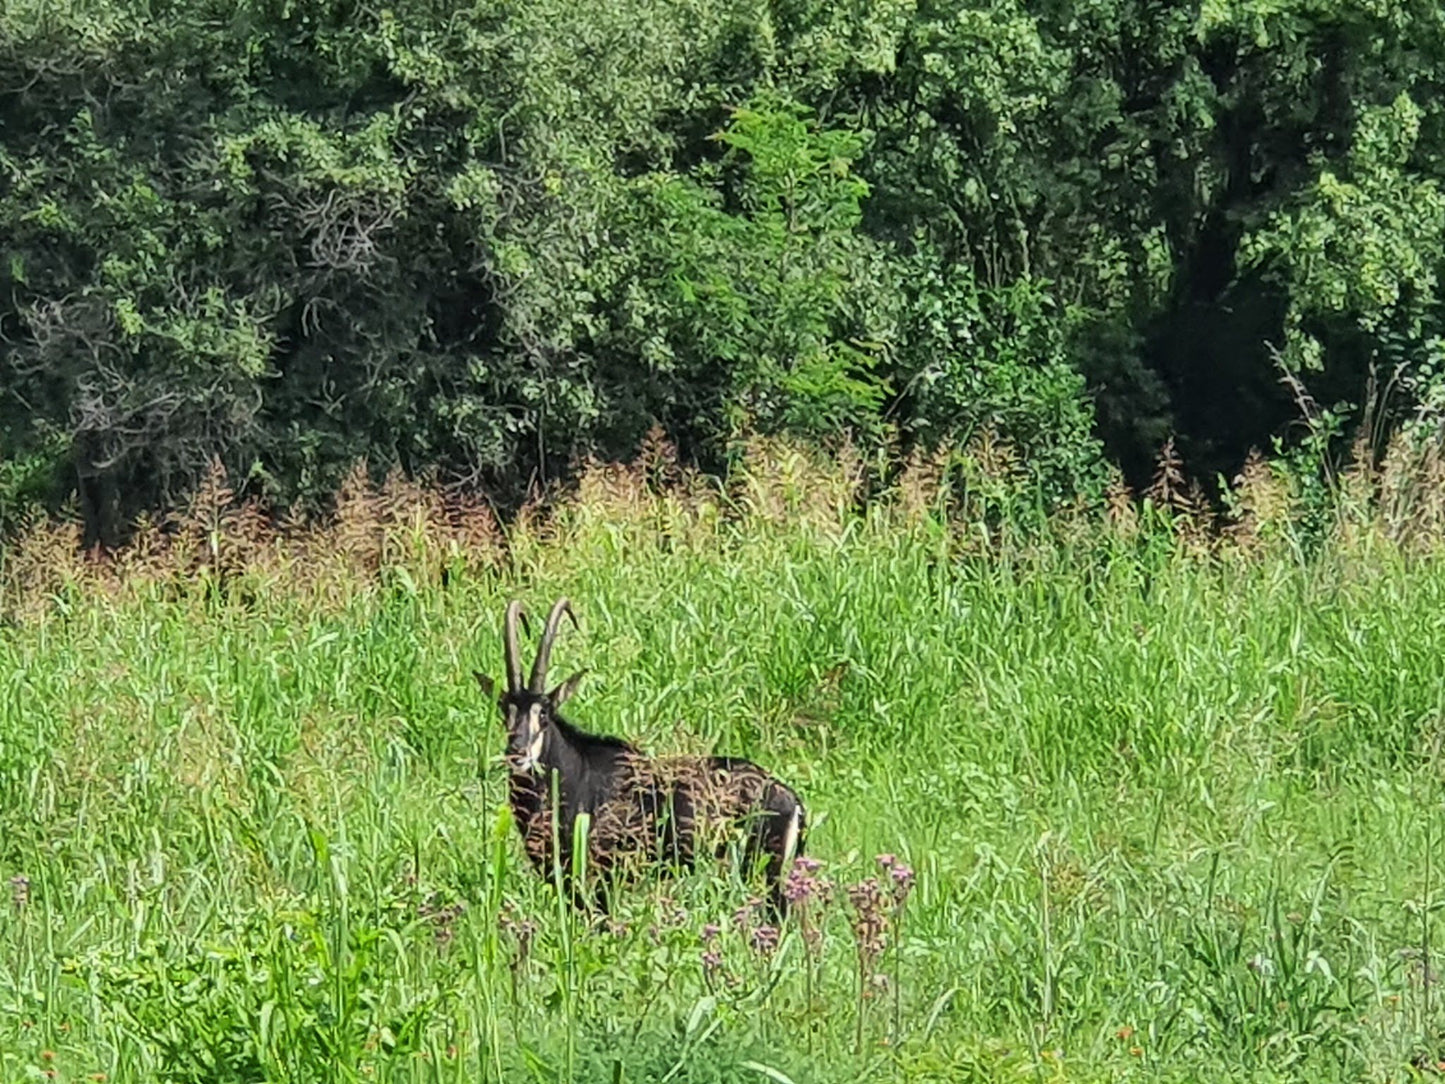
(897, 1035)
(862, 992)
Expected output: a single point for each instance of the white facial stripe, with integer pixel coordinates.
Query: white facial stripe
(533, 734)
(534, 751)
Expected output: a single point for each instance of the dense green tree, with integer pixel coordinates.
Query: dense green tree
(480, 239)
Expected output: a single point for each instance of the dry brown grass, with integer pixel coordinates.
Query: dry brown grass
(781, 484)
(1181, 500)
(219, 545)
(1121, 511)
(218, 541)
(922, 485)
(1262, 502)
(1411, 491)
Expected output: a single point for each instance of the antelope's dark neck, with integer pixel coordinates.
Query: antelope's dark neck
(575, 760)
(531, 807)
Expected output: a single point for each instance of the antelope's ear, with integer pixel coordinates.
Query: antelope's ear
(489, 687)
(562, 693)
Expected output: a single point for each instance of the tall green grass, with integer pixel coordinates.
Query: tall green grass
(1174, 807)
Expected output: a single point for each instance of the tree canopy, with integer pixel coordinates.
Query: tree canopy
(477, 240)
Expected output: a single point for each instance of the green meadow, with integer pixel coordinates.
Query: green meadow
(1173, 803)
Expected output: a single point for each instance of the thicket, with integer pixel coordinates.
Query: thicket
(476, 242)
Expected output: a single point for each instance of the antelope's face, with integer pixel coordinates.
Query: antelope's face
(527, 717)
(529, 709)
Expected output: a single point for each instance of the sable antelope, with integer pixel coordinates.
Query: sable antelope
(662, 812)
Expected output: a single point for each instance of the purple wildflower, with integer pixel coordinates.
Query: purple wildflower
(20, 891)
(867, 900)
(798, 887)
(902, 882)
(765, 939)
(443, 918)
(744, 913)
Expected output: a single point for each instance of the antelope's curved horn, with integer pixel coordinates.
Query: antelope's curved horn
(509, 646)
(538, 684)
